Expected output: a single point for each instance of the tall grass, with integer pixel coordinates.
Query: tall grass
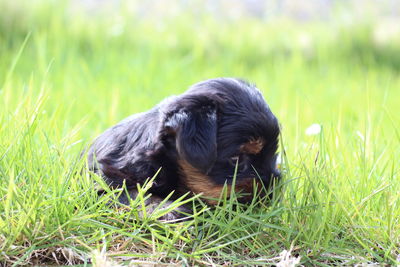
(65, 78)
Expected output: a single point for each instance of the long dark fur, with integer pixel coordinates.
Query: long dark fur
(196, 139)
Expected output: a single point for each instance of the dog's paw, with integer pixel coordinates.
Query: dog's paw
(153, 207)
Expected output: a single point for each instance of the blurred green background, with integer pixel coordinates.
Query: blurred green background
(104, 60)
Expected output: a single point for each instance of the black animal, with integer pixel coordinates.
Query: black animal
(195, 140)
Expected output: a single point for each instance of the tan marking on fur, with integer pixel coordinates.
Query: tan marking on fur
(198, 183)
(254, 146)
(247, 186)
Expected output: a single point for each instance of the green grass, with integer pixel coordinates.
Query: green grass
(65, 78)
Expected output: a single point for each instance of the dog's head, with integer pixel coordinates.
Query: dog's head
(217, 125)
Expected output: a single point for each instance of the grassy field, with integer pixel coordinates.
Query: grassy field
(65, 78)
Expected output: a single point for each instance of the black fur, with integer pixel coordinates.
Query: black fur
(205, 126)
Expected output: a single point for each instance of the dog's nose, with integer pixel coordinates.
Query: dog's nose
(276, 174)
(272, 177)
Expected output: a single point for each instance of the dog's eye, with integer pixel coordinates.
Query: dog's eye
(241, 161)
(233, 160)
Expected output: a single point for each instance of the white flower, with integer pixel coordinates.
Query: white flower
(314, 129)
(278, 162)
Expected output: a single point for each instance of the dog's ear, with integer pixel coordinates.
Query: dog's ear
(193, 122)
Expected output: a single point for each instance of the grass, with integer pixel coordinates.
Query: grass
(65, 78)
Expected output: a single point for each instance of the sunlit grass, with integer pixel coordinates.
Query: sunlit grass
(64, 80)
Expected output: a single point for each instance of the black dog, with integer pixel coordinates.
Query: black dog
(195, 140)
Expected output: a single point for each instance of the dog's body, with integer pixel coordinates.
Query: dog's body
(195, 140)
